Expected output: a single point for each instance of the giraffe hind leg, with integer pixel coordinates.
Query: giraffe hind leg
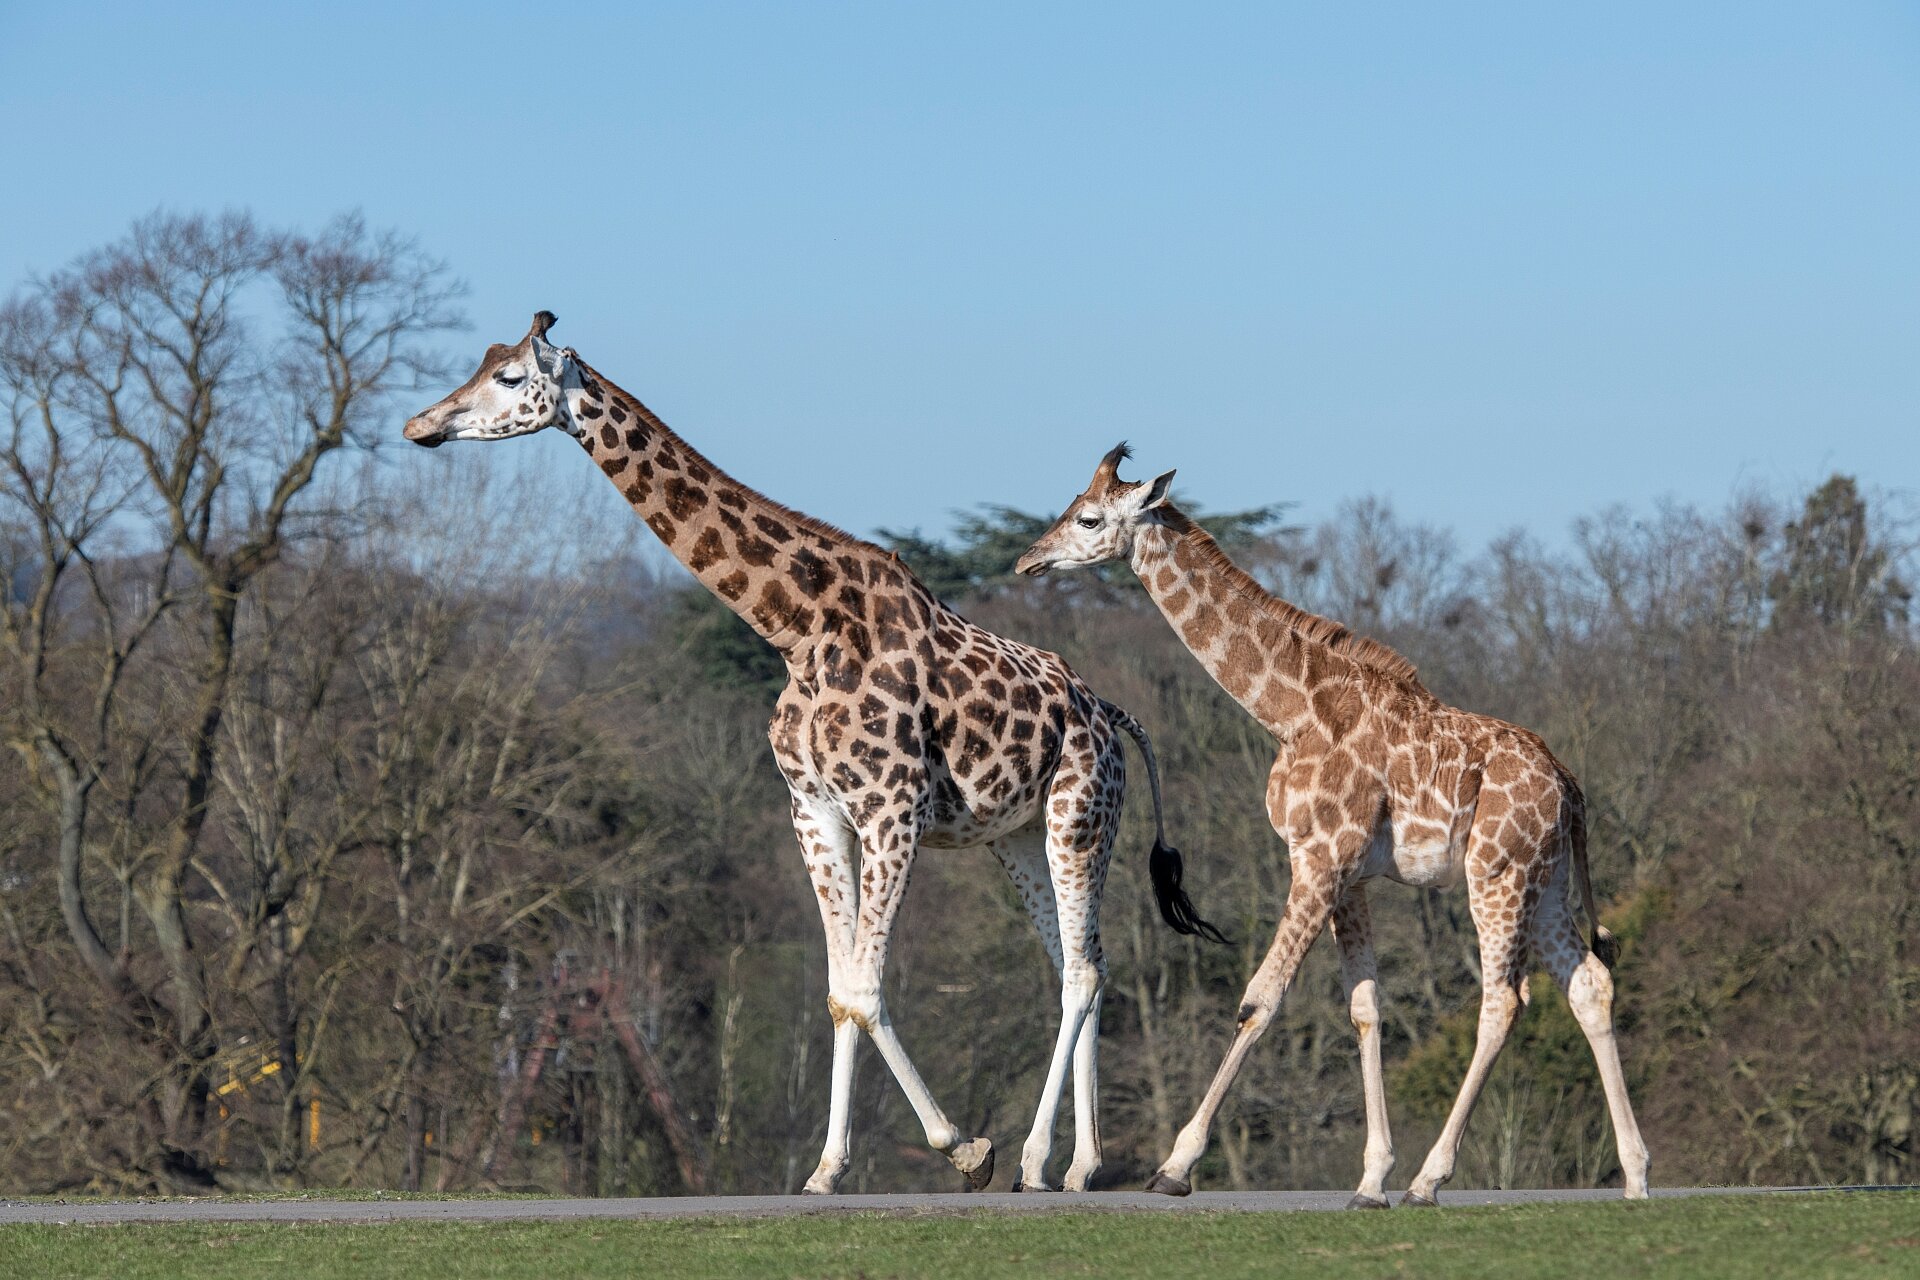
(1359, 974)
(1023, 855)
(1072, 859)
(1588, 985)
(1502, 980)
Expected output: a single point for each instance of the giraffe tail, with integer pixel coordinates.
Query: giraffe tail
(1605, 945)
(1165, 867)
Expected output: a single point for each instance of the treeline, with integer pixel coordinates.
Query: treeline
(329, 808)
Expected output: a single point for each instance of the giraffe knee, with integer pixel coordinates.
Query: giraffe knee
(855, 1003)
(1254, 1015)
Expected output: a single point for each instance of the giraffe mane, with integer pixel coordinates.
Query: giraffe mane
(1334, 636)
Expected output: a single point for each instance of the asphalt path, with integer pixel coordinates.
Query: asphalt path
(321, 1210)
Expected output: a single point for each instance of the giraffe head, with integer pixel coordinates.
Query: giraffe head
(1099, 525)
(515, 392)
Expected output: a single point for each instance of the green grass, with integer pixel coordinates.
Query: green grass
(1811, 1235)
(368, 1194)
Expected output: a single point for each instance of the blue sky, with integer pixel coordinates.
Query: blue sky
(1501, 264)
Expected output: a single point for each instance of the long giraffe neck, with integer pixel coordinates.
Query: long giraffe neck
(1277, 660)
(770, 565)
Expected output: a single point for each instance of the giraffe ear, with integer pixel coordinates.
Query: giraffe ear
(543, 351)
(1157, 492)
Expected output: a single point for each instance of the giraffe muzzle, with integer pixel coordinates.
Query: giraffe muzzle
(426, 432)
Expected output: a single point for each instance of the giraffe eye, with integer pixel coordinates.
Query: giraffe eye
(1088, 522)
(510, 377)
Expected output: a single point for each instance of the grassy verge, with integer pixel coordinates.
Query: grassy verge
(1813, 1235)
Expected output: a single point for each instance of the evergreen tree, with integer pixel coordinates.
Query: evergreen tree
(1833, 572)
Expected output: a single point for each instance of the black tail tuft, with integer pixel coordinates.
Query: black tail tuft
(1606, 946)
(1176, 908)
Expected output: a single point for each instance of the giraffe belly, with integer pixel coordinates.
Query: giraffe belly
(961, 821)
(1430, 849)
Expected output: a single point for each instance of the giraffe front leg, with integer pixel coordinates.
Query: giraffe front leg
(1309, 903)
(834, 1156)
(827, 843)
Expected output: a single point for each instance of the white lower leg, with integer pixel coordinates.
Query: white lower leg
(1191, 1143)
(1365, 1011)
(941, 1135)
(1499, 1007)
(833, 1156)
(1308, 907)
(1086, 1102)
(1591, 994)
(1076, 995)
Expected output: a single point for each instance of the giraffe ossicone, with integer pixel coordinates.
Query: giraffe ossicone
(1374, 777)
(902, 726)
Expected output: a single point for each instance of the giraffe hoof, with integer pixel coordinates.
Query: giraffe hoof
(1414, 1200)
(975, 1159)
(1033, 1186)
(1369, 1202)
(1166, 1186)
(824, 1182)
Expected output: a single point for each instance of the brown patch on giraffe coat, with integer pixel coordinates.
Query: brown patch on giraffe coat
(1200, 629)
(775, 610)
(708, 550)
(682, 499)
(811, 574)
(757, 552)
(1338, 707)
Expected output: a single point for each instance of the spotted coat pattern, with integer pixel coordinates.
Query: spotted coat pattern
(902, 726)
(1374, 777)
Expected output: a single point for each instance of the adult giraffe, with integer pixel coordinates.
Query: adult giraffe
(902, 725)
(1375, 777)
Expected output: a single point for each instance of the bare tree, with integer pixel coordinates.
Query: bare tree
(163, 447)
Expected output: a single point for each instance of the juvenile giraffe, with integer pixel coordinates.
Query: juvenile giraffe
(902, 726)
(1375, 777)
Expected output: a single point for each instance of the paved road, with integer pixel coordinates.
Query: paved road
(214, 1210)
